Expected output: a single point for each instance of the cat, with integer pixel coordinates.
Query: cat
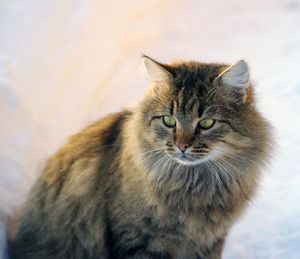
(165, 179)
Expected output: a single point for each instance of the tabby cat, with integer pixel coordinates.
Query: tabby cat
(165, 179)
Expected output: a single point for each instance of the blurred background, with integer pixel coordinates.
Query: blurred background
(66, 63)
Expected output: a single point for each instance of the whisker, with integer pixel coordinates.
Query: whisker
(225, 161)
(216, 174)
(224, 168)
(123, 145)
(162, 159)
(235, 157)
(153, 150)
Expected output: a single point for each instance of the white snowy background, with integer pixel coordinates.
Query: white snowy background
(65, 63)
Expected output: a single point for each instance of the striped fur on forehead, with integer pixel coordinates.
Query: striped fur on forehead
(192, 85)
(188, 104)
(196, 76)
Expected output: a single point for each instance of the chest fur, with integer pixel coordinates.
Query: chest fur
(185, 236)
(201, 228)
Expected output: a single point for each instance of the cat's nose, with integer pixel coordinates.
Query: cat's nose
(183, 146)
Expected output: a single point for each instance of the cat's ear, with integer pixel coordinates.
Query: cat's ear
(236, 77)
(155, 71)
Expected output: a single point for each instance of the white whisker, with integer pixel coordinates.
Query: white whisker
(216, 174)
(224, 168)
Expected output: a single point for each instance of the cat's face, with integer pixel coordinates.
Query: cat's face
(198, 113)
(186, 132)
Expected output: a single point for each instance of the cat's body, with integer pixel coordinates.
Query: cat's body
(110, 193)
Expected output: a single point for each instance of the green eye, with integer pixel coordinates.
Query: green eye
(206, 123)
(169, 121)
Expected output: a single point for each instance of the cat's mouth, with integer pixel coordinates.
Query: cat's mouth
(185, 157)
(193, 156)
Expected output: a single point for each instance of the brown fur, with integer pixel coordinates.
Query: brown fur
(107, 194)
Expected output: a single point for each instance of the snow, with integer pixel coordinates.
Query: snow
(64, 63)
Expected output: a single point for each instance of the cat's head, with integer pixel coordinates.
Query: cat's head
(196, 112)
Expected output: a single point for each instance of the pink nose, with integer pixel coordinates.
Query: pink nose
(183, 146)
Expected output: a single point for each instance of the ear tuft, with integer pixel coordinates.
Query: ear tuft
(155, 71)
(236, 75)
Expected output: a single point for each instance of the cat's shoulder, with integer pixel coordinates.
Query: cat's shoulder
(104, 131)
(88, 145)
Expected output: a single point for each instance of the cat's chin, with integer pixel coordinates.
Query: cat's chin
(186, 160)
(183, 160)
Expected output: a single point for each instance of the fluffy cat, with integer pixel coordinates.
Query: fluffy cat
(166, 179)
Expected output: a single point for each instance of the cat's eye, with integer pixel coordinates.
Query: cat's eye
(206, 123)
(169, 121)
